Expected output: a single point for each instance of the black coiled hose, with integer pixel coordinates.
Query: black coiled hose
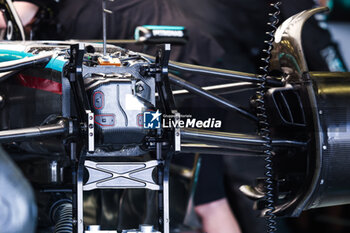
(62, 216)
(264, 126)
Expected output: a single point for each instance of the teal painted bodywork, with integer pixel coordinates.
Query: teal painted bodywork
(11, 55)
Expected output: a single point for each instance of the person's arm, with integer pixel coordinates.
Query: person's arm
(25, 10)
(217, 217)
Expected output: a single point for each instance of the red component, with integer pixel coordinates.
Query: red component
(139, 119)
(40, 83)
(101, 100)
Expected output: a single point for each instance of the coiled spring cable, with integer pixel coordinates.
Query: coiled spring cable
(264, 126)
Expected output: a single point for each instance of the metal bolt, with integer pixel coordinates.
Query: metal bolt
(91, 134)
(320, 112)
(91, 126)
(139, 88)
(324, 147)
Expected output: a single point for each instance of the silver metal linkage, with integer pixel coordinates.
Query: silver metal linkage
(121, 175)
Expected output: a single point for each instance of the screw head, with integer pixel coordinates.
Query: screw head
(139, 88)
